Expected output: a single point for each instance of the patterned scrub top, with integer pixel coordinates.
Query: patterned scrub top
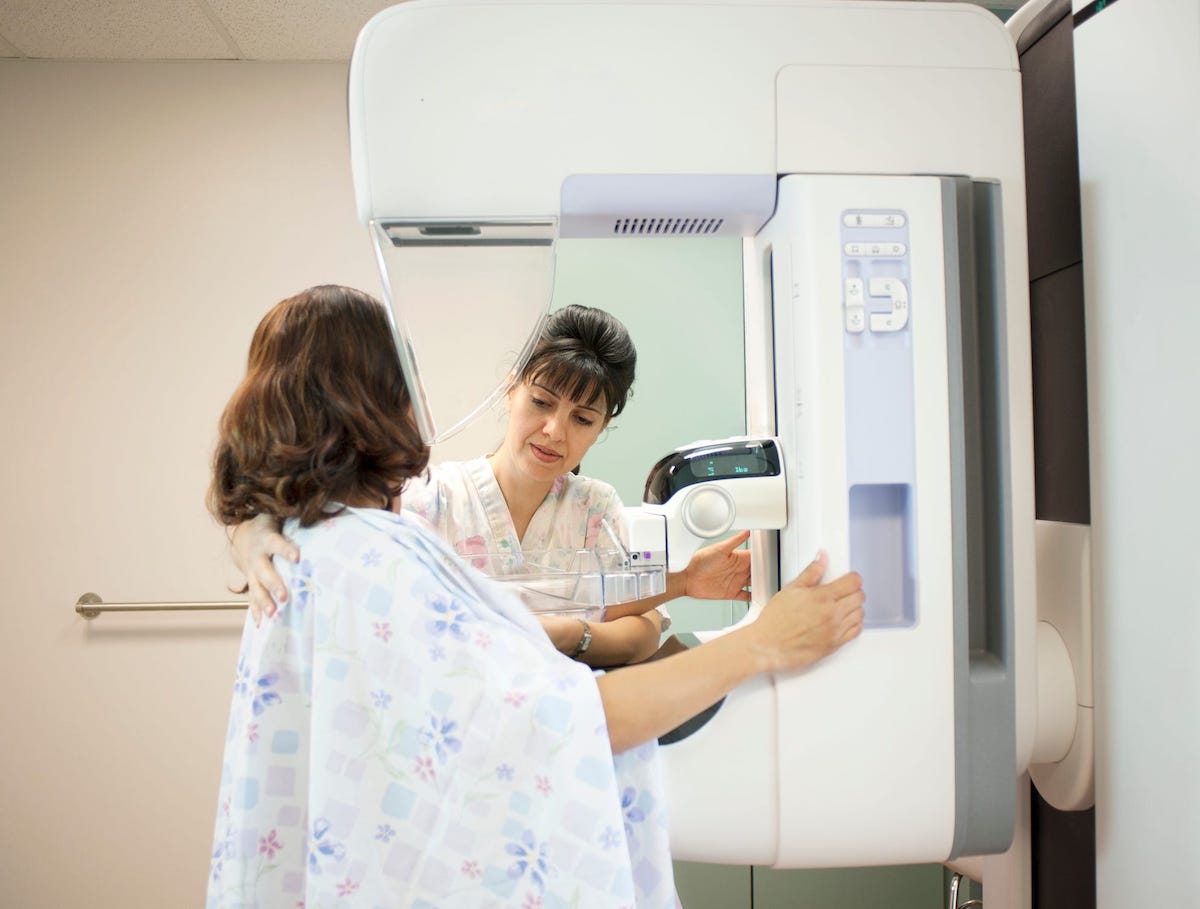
(403, 734)
(463, 502)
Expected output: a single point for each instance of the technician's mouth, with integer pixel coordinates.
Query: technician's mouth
(546, 455)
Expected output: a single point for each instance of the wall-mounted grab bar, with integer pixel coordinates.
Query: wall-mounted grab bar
(90, 605)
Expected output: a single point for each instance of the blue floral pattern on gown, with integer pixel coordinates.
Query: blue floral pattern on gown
(403, 734)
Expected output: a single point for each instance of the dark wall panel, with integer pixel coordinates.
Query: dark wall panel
(1060, 427)
(1051, 149)
(1064, 843)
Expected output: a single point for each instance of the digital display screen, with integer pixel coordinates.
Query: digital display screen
(729, 464)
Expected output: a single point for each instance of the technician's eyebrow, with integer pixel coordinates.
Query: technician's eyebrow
(555, 394)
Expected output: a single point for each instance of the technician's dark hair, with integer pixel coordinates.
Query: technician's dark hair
(584, 354)
(322, 416)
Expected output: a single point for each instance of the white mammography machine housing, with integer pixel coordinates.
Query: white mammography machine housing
(870, 155)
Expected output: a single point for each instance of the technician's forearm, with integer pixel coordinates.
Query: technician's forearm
(618, 642)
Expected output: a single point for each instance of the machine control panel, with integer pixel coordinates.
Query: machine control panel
(875, 271)
(704, 462)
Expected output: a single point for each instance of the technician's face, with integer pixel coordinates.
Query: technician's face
(548, 435)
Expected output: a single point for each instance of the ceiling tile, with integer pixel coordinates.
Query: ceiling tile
(296, 29)
(200, 29)
(112, 30)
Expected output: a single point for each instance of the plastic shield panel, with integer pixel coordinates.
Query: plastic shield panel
(471, 294)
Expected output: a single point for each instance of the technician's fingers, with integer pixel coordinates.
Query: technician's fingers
(258, 601)
(279, 545)
(270, 581)
(734, 541)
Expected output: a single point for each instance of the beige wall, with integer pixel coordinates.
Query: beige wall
(149, 214)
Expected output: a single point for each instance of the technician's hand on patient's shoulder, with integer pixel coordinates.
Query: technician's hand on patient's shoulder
(253, 543)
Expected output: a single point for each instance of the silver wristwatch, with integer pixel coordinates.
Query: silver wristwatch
(584, 642)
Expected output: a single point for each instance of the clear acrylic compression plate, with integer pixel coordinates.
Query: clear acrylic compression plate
(467, 301)
(580, 583)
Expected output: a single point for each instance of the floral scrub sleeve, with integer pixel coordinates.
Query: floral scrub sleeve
(404, 735)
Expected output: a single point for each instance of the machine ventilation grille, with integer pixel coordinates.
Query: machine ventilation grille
(628, 227)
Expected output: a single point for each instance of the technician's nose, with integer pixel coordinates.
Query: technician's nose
(552, 428)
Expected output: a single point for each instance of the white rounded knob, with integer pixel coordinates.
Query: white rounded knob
(708, 511)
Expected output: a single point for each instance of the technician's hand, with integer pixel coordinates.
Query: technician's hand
(808, 620)
(254, 542)
(720, 571)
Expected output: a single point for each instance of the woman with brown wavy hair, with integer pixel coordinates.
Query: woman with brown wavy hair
(405, 733)
(322, 416)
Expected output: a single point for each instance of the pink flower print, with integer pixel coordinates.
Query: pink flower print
(423, 767)
(268, 845)
(471, 869)
(543, 785)
(516, 698)
(532, 901)
(252, 732)
(347, 887)
(484, 640)
(383, 631)
(473, 546)
(591, 535)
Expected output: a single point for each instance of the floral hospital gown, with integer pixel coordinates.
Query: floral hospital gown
(403, 734)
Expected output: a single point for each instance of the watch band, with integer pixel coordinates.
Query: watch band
(584, 642)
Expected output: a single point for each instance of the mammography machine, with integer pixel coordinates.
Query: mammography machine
(870, 156)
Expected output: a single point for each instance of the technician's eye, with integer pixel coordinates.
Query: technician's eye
(584, 421)
(538, 402)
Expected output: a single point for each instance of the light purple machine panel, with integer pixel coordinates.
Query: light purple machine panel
(880, 443)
